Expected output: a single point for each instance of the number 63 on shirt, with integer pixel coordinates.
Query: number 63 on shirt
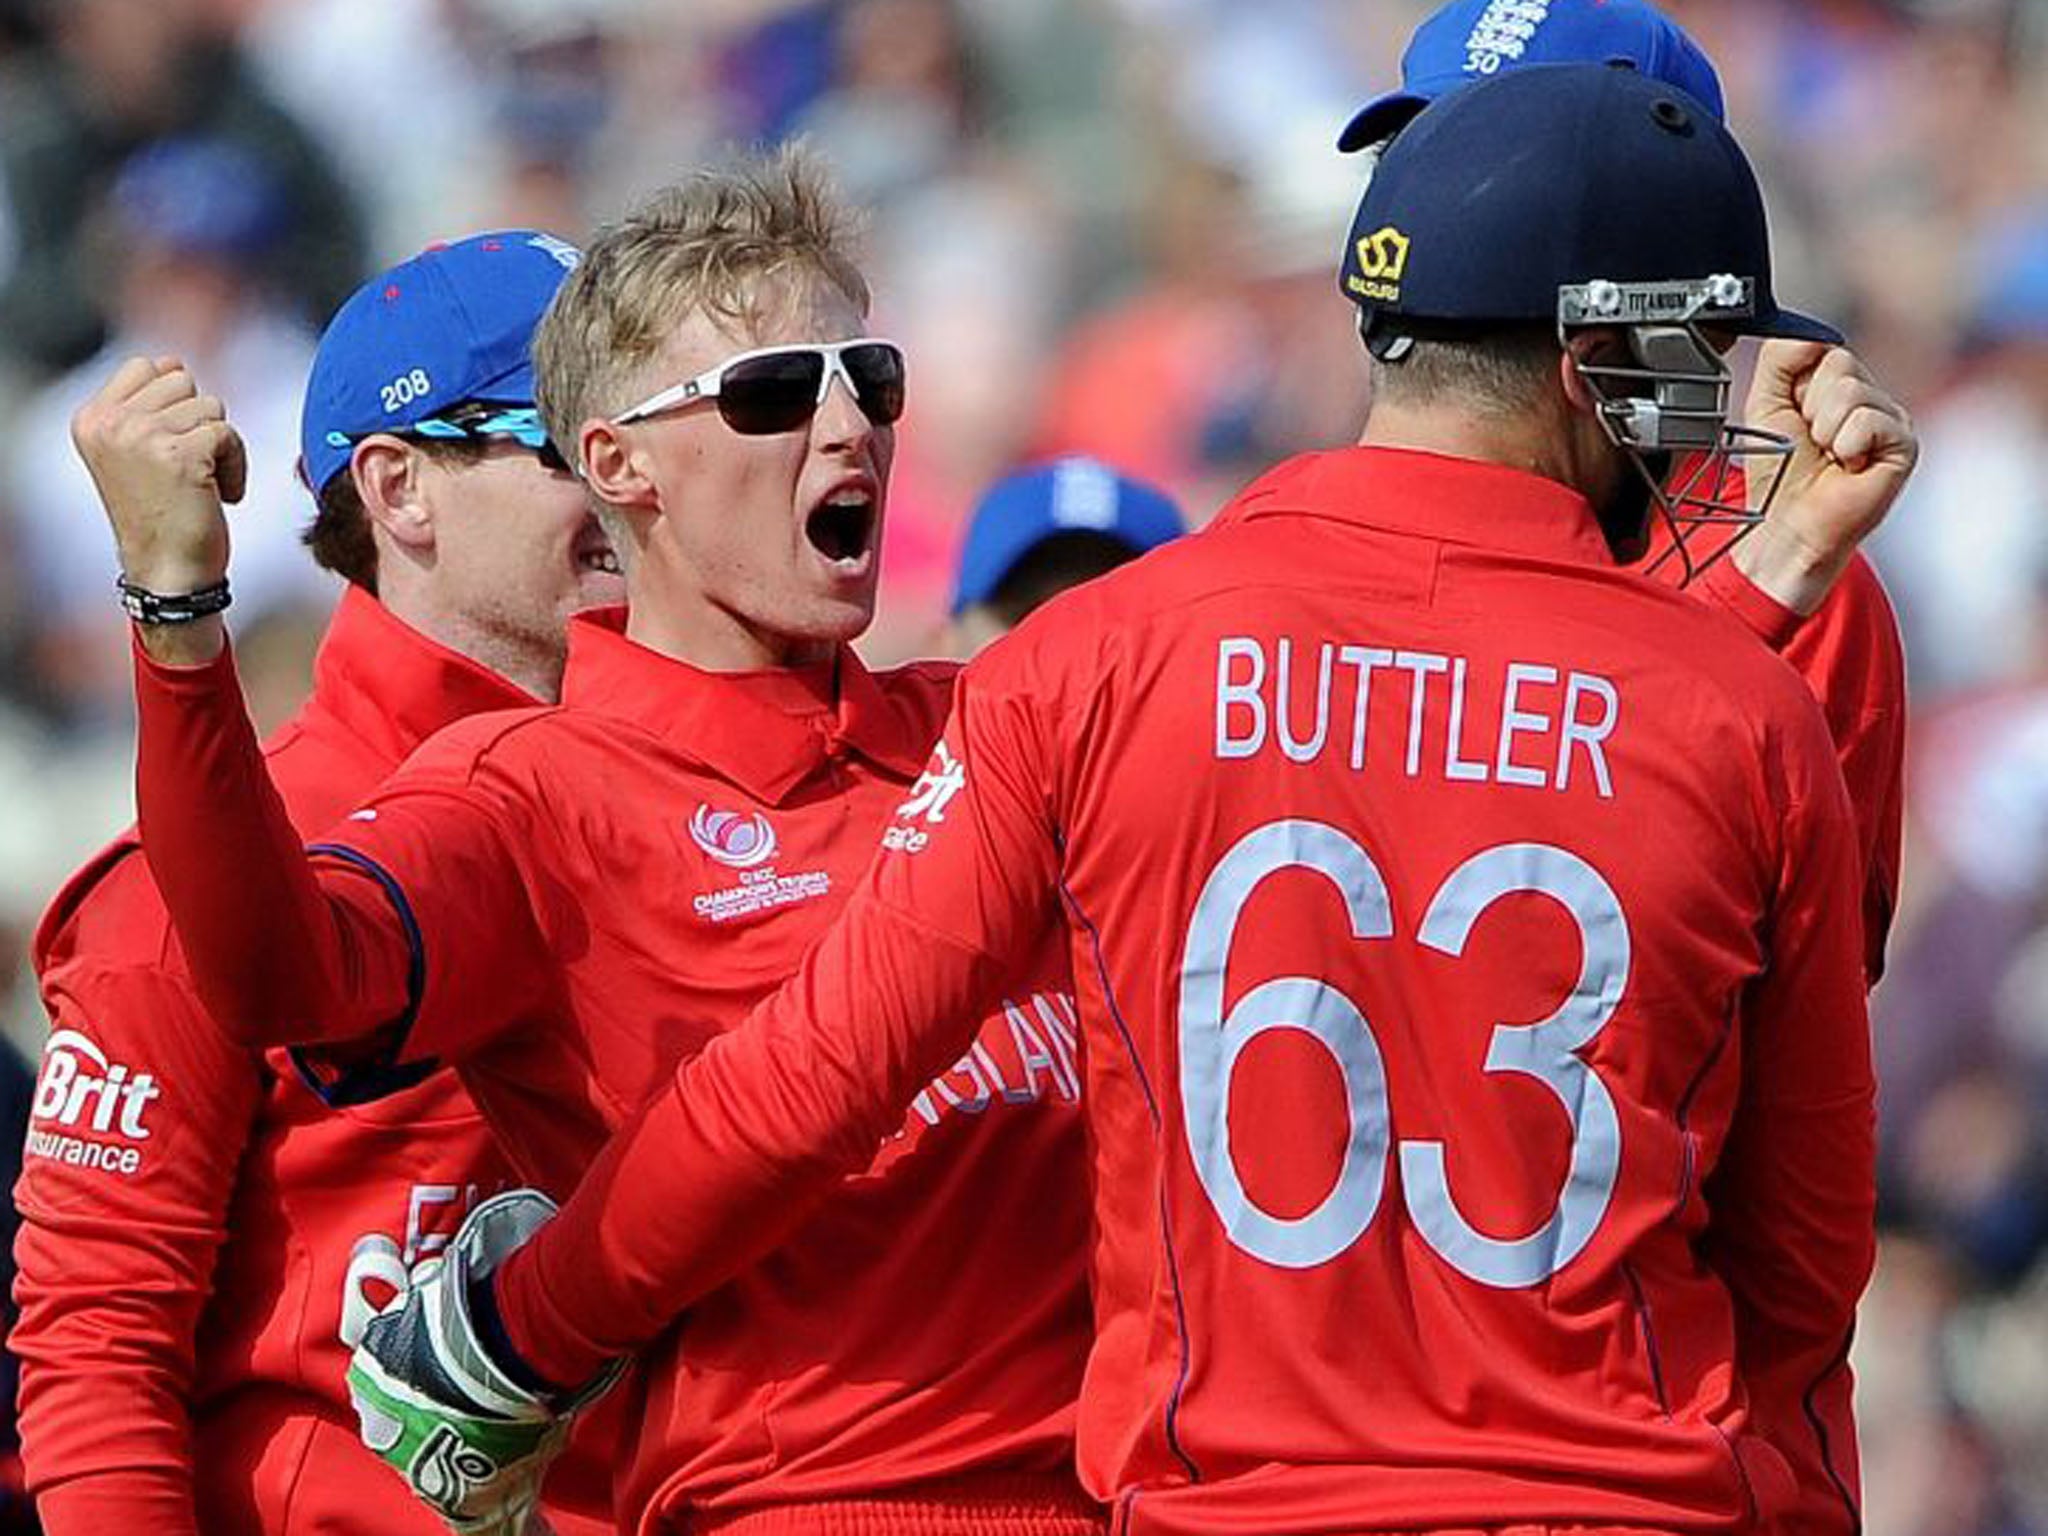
(1213, 1040)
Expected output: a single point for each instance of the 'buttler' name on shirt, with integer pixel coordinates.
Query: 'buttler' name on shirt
(1537, 726)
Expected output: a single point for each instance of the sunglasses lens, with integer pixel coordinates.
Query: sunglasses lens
(877, 373)
(776, 393)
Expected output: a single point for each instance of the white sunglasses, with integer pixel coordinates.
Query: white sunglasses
(778, 389)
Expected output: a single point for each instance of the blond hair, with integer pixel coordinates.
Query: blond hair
(705, 244)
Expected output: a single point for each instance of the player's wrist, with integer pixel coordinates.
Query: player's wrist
(174, 571)
(195, 644)
(150, 605)
(1789, 569)
(498, 1348)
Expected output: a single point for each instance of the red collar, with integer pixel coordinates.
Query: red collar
(765, 731)
(1457, 501)
(391, 686)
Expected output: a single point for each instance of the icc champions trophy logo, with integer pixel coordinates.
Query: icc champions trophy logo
(734, 840)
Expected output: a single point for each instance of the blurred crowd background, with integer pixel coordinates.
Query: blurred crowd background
(1107, 226)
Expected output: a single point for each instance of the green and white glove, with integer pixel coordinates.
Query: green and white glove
(471, 1443)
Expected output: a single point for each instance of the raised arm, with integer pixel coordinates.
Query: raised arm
(1853, 449)
(278, 954)
(283, 946)
(267, 958)
(1801, 586)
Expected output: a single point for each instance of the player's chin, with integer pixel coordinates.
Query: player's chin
(838, 616)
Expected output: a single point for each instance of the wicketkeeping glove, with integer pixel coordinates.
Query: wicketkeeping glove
(471, 1443)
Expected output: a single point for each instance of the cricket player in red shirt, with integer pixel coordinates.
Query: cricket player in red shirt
(1831, 620)
(202, 1236)
(566, 902)
(1478, 1071)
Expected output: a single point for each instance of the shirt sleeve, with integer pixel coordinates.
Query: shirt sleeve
(725, 1162)
(1849, 654)
(140, 1117)
(1792, 1202)
(1852, 658)
(408, 929)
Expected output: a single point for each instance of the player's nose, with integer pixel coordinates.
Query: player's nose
(840, 424)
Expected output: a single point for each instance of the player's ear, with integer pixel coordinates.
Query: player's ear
(613, 466)
(1594, 344)
(388, 481)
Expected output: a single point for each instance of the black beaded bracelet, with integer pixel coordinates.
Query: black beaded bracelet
(147, 607)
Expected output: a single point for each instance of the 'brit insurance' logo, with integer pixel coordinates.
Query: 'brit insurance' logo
(929, 797)
(82, 1097)
(734, 840)
(935, 787)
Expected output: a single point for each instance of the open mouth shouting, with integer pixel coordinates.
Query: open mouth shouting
(843, 525)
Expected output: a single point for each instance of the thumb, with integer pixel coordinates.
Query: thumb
(230, 464)
(1782, 370)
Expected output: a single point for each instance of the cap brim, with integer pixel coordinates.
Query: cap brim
(1793, 326)
(1380, 119)
(515, 386)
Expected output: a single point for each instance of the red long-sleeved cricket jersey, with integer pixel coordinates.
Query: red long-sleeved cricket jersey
(568, 901)
(1468, 955)
(1851, 657)
(1850, 654)
(198, 1229)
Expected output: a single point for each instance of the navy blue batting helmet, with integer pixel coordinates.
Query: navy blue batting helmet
(1573, 185)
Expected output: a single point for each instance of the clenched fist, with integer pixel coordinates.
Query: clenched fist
(1853, 449)
(164, 460)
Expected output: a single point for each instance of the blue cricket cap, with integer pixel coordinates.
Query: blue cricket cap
(453, 324)
(1073, 495)
(1472, 40)
(1560, 175)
